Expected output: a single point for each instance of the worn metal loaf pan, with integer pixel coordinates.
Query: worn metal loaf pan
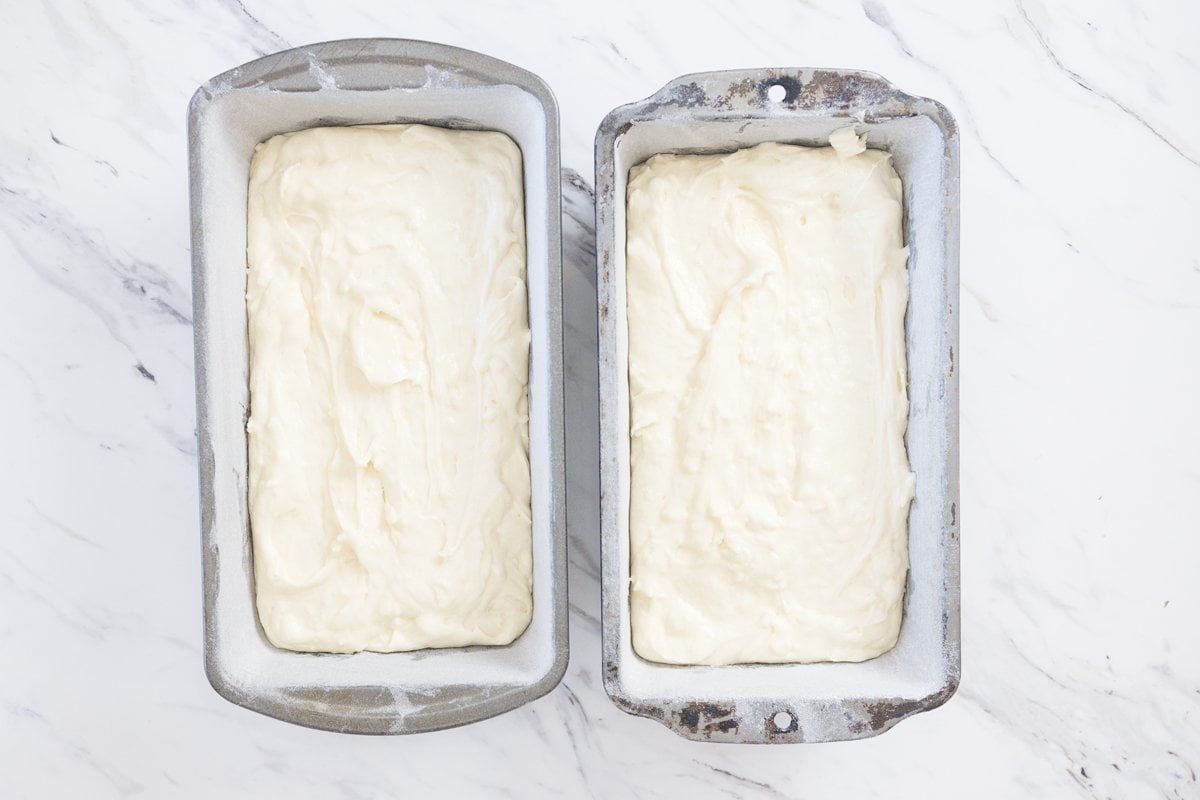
(721, 112)
(348, 83)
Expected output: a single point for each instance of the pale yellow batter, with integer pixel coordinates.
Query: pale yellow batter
(770, 486)
(388, 432)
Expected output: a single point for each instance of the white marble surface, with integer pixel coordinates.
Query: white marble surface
(1080, 384)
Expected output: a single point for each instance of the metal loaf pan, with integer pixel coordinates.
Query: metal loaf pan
(348, 83)
(721, 112)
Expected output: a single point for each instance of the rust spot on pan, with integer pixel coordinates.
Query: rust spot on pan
(648, 710)
(707, 719)
(792, 88)
(689, 95)
(855, 725)
(743, 88)
(881, 716)
(772, 726)
(834, 89)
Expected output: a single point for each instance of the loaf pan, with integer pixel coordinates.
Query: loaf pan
(776, 703)
(349, 83)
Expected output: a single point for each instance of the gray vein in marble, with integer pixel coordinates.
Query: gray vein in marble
(878, 15)
(118, 779)
(65, 530)
(1080, 81)
(43, 402)
(576, 731)
(100, 161)
(985, 305)
(145, 282)
(583, 677)
(760, 788)
(273, 41)
(1077, 748)
(183, 443)
(585, 616)
(607, 47)
(122, 292)
(122, 782)
(1132, 285)
(78, 619)
(538, 727)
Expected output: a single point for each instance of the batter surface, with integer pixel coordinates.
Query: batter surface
(766, 292)
(389, 360)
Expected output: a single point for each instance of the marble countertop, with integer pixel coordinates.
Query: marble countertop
(1080, 316)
